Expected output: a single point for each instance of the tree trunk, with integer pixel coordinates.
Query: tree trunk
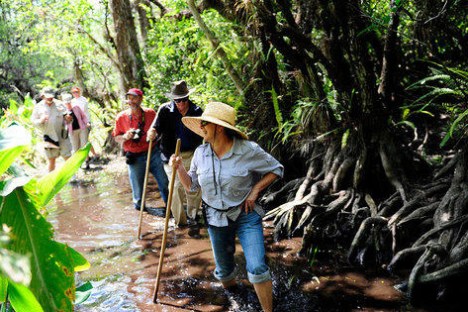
(143, 21)
(128, 49)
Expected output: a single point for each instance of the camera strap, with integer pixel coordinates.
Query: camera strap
(141, 124)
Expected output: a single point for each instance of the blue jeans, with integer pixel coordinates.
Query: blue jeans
(136, 174)
(248, 228)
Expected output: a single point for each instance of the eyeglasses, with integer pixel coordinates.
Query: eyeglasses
(181, 100)
(76, 91)
(204, 123)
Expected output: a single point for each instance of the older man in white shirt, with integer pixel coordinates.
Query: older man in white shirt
(48, 116)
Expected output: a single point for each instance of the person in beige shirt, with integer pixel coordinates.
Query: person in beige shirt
(48, 117)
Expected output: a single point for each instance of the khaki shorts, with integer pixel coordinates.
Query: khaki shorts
(64, 150)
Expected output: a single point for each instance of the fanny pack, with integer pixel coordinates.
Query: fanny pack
(231, 213)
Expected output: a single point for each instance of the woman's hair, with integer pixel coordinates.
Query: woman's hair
(232, 134)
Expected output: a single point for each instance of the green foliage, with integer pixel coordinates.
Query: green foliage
(177, 49)
(25, 50)
(52, 264)
(344, 138)
(278, 114)
(22, 298)
(19, 113)
(305, 120)
(444, 90)
(13, 141)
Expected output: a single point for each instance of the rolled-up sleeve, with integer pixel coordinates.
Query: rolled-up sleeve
(262, 163)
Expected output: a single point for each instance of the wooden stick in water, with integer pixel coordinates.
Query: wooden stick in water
(168, 213)
(143, 196)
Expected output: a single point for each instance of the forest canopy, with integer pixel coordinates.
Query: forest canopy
(365, 102)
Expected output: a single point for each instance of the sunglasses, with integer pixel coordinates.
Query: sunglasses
(75, 91)
(204, 123)
(181, 100)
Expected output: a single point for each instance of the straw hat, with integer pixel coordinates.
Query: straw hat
(179, 90)
(217, 113)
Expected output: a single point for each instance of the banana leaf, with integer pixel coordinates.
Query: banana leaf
(13, 140)
(52, 263)
(22, 299)
(49, 185)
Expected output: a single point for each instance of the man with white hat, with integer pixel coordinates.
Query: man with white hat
(48, 117)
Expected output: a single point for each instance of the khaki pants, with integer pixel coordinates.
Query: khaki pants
(78, 139)
(192, 199)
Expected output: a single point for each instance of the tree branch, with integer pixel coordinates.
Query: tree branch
(102, 49)
(218, 49)
(161, 7)
(387, 75)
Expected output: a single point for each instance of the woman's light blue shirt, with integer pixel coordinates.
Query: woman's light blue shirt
(234, 176)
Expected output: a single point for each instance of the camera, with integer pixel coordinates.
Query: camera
(137, 134)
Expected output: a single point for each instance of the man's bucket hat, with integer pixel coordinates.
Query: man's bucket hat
(179, 90)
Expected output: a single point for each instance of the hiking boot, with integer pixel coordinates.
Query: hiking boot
(138, 208)
(158, 212)
(194, 228)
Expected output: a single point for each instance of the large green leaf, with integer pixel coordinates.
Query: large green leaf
(3, 288)
(22, 299)
(51, 262)
(49, 185)
(12, 142)
(80, 263)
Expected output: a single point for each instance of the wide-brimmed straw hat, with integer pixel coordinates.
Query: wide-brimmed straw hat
(217, 113)
(179, 90)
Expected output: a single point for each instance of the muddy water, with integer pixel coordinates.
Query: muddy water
(97, 219)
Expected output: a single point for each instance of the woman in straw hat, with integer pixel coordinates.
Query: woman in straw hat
(231, 172)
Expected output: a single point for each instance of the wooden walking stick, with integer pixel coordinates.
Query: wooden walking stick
(143, 196)
(168, 213)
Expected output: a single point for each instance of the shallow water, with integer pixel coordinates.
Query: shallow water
(98, 220)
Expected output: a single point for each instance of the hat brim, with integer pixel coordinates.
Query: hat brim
(48, 95)
(193, 123)
(179, 96)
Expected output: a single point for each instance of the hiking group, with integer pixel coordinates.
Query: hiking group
(220, 173)
(218, 170)
(64, 124)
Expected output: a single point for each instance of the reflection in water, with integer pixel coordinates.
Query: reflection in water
(99, 221)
